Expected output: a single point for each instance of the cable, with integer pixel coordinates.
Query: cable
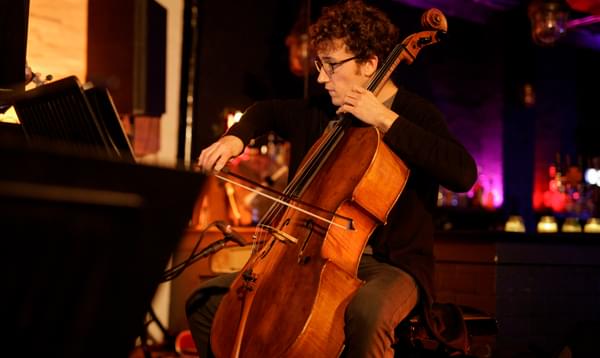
(228, 235)
(177, 269)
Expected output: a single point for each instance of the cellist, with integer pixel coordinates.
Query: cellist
(351, 39)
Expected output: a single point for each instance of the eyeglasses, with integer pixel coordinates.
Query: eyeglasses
(330, 67)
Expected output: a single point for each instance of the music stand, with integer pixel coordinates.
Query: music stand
(105, 111)
(85, 242)
(62, 113)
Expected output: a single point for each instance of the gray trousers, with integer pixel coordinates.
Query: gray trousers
(387, 297)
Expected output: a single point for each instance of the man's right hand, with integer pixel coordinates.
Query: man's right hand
(215, 156)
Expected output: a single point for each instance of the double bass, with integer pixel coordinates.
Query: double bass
(290, 298)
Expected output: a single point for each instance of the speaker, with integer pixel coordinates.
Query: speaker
(127, 53)
(85, 243)
(14, 22)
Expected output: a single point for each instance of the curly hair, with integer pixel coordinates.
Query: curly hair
(365, 30)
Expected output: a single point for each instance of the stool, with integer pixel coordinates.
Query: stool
(414, 339)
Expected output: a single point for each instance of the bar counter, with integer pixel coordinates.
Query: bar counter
(540, 287)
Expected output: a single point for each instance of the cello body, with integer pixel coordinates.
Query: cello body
(291, 297)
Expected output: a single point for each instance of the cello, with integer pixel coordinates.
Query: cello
(290, 298)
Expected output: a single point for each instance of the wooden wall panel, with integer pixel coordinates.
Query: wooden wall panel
(57, 37)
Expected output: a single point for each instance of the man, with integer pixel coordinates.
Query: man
(351, 40)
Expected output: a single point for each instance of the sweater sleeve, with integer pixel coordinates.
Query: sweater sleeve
(420, 137)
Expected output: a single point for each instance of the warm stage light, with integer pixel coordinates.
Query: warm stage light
(547, 224)
(233, 118)
(592, 225)
(10, 116)
(571, 225)
(548, 21)
(592, 176)
(514, 224)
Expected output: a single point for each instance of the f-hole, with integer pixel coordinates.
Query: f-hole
(301, 258)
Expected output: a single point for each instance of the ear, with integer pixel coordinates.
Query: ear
(370, 66)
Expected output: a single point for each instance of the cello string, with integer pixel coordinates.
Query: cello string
(307, 172)
(386, 66)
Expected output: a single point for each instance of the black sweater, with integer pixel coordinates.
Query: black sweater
(419, 137)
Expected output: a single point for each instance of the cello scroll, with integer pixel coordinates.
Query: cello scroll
(434, 21)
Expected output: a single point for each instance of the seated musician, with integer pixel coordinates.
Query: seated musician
(351, 40)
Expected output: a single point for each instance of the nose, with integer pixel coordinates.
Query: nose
(322, 78)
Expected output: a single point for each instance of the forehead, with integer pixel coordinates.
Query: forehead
(334, 49)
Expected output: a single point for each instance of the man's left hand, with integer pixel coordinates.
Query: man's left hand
(365, 106)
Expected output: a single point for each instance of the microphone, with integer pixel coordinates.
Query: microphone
(229, 233)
